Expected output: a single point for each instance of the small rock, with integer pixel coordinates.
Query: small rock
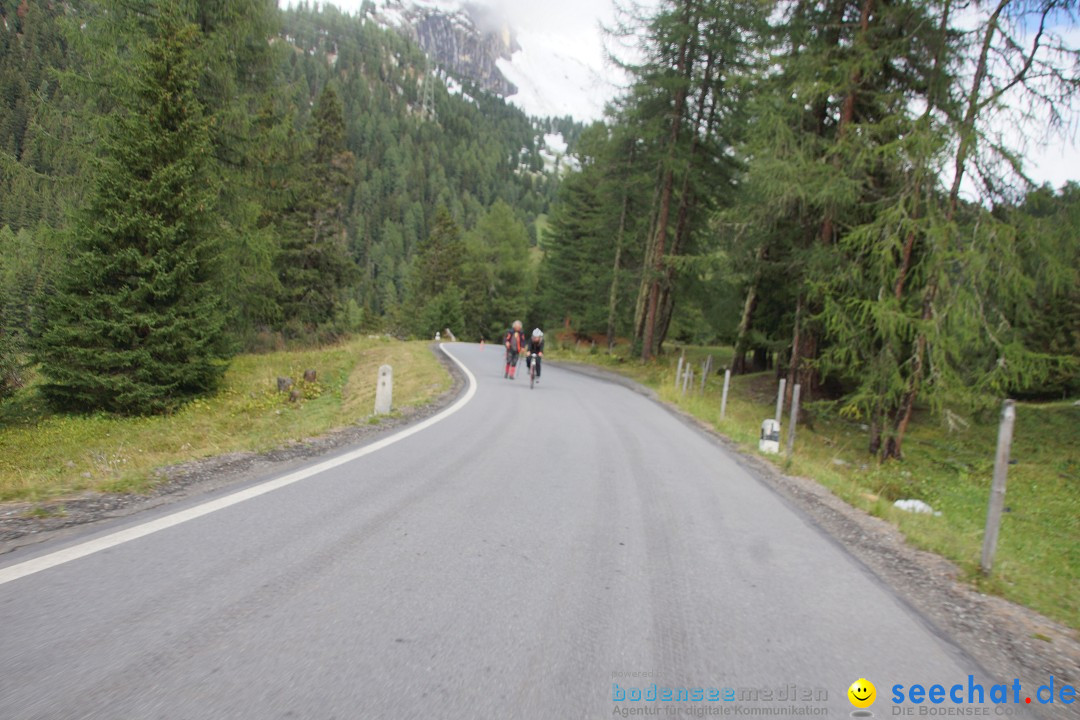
(86, 476)
(70, 463)
(309, 376)
(916, 506)
(284, 383)
(838, 461)
(295, 396)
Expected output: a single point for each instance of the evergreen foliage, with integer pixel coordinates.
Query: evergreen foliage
(136, 325)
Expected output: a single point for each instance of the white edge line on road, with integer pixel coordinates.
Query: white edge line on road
(81, 550)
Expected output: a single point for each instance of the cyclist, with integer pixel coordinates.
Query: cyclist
(536, 347)
(515, 342)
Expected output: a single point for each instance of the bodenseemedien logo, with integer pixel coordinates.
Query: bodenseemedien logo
(862, 694)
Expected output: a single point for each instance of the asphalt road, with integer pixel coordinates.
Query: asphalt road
(505, 562)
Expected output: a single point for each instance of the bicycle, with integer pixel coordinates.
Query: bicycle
(532, 369)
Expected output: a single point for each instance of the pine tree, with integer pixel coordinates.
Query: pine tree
(498, 275)
(9, 345)
(687, 101)
(136, 325)
(591, 238)
(315, 266)
(436, 300)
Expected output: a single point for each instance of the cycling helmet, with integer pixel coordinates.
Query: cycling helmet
(538, 333)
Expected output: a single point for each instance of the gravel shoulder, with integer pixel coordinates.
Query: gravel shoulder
(1007, 640)
(24, 524)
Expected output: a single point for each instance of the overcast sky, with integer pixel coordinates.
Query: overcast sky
(574, 26)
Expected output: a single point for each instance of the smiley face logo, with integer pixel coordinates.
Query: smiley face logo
(862, 693)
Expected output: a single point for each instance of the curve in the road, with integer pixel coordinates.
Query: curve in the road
(89, 547)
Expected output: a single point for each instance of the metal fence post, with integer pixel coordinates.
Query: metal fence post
(794, 419)
(780, 401)
(723, 399)
(997, 491)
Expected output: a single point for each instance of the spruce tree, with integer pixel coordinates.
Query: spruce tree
(436, 300)
(136, 325)
(498, 275)
(314, 264)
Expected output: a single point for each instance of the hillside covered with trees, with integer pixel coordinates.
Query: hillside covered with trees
(179, 181)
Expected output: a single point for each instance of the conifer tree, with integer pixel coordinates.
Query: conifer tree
(436, 300)
(136, 325)
(314, 264)
(498, 276)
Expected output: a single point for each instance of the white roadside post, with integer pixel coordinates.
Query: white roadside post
(384, 390)
(723, 398)
(997, 491)
(678, 373)
(769, 442)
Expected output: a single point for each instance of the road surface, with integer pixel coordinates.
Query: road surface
(517, 559)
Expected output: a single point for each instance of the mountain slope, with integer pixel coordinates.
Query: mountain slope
(542, 73)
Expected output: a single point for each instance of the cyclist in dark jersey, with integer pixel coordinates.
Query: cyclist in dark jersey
(536, 347)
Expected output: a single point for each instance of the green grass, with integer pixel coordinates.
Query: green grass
(45, 455)
(1038, 555)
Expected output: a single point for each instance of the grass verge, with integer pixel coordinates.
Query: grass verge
(948, 466)
(45, 455)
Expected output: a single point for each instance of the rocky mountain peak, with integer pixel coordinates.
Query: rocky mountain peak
(467, 40)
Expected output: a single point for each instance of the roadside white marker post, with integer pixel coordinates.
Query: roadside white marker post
(705, 374)
(780, 400)
(997, 491)
(769, 441)
(723, 399)
(678, 373)
(794, 419)
(384, 390)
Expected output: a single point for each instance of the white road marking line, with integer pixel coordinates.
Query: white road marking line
(81, 550)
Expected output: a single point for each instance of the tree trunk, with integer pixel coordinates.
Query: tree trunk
(742, 344)
(654, 270)
(703, 124)
(613, 294)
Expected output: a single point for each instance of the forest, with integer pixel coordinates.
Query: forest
(822, 184)
(181, 181)
(825, 185)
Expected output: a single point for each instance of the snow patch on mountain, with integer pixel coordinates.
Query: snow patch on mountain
(555, 74)
(553, 83)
